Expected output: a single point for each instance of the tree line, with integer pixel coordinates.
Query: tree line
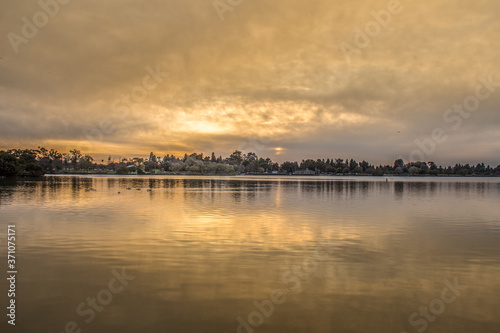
(37, 162)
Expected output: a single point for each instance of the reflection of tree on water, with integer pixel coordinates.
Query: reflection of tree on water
(7, 189)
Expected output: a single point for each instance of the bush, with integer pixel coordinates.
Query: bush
(357, 170)
(413, 170)
(122, 171)
(370, 171)
(34, 170)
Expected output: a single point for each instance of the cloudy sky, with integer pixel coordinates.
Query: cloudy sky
(287, 79)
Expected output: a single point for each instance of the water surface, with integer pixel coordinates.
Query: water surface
(348, 254)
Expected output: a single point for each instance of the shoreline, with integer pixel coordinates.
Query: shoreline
(268, 175)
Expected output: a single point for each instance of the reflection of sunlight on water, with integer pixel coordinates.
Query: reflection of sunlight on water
(204, 249)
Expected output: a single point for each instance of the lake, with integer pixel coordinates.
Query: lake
(253, 254)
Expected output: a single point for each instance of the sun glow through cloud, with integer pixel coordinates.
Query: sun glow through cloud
(272, 71)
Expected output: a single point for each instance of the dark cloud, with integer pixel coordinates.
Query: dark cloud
(270, 70)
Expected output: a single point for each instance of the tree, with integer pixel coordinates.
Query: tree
(86, 162)
(8, 164)
(378, 171)
(353, 164)
(399, 163)
(138, 161)
(289, 167)
(339, 163)
(235, 158)
(308, 164)
(149, 166)
(75, 157)
(364, 165)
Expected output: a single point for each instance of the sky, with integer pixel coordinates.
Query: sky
(291, 79)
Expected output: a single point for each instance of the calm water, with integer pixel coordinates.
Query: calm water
(337, 254)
